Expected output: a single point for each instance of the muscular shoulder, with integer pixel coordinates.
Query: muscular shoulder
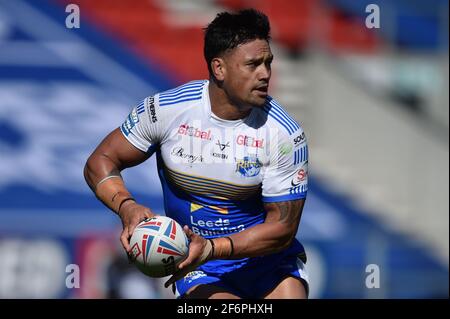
(182, 96)
(276, 118)
(168, 105)
(151, 119)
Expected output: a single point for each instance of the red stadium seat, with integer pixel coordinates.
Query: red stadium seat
(140, 24)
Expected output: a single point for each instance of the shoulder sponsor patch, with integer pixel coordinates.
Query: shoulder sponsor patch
(151, 109)
(299, 140)
(301, 175)
(130, 122)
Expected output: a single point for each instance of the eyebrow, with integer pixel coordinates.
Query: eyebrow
(253, 60)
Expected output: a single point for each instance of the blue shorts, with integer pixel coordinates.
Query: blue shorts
(253, 280)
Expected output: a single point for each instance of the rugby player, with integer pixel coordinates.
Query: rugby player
(233, 167)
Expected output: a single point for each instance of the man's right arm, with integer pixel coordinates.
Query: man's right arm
(102, 174)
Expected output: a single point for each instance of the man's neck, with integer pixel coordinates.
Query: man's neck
(221, 105)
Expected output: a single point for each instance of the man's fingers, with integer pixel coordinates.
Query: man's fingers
(148, 214)
(132, 226)
(188, 232)
(187, 261)
(124, 239)
(184, 263)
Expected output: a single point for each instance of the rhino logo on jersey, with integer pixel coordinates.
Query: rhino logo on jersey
(249, 166)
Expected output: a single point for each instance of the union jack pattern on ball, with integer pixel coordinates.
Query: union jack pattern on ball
(146, 245)
(155, 225)
(171, 230)
(166, 248)
(158, 245)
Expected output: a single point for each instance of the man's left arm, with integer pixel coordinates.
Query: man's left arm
(275, 234)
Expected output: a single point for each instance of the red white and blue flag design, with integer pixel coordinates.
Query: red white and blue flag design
(152, 224)
(171, 230)
(166, 248)
(146, 245)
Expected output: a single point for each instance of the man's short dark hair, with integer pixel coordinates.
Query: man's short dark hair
(228, 30)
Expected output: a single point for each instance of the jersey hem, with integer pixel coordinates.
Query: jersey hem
(134, 143)
(283, 198)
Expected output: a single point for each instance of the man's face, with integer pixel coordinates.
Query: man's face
(248, 71)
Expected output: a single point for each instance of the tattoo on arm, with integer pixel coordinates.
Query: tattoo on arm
(290, 211)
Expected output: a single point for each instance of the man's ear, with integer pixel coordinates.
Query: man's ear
(218, 68)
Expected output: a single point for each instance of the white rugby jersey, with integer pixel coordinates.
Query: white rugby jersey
(215, 173)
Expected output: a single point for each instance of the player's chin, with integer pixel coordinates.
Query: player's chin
(259, 99)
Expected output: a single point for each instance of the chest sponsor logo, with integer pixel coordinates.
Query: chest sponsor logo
(222, 148)
(214, 227)
(180, 152)
(195, 132)
(249, 141)
(249, 166)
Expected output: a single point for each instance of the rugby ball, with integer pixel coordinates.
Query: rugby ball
(158, 245)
